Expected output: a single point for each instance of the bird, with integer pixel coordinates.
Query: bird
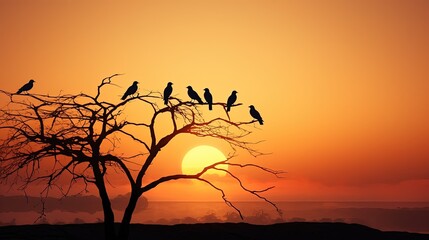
(194, 95)
(208, 97)
(255, 114)
(231, 100)
(26, 87)
(167, 92)
(131, 90)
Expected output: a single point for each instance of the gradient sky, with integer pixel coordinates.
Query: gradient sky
(342, 85)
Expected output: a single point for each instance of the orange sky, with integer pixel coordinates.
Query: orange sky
(342, 85)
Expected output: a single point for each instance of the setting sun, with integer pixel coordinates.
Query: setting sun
(200, 157)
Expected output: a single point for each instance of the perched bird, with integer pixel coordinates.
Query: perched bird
(194, 95)
(255, 114)
(167, 92)
(131, 90)
(231, 100)
(28, 86)
(208, 97)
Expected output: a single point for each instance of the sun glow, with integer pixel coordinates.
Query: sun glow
(200, 157)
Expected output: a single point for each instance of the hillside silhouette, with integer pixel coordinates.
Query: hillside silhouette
(211, 231)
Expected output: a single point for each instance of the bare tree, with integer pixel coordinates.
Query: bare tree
(70, 131)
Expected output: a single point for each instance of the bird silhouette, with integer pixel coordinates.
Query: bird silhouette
(231, 100)
(208, 97)
(255, 114)
(131, 90)
(194, 95)
(167, 92)
(26, 87)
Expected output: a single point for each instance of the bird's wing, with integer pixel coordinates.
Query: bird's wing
(26, 87)
(166, 92)
(231, 99)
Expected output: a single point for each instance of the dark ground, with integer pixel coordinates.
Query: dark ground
(209, 231)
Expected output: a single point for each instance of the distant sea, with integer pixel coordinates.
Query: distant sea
(386, 216)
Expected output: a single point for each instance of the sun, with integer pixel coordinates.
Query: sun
(200, 157)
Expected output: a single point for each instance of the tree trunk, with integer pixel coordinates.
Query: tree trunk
(109, 217)
(124, 229)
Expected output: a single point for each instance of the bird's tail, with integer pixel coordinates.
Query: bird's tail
(261, 122)
(166, 101)
(124, 97)
(200, 101)
(228, 108)
(19, 91)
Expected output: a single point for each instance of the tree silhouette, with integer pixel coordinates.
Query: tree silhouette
(69, 132)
